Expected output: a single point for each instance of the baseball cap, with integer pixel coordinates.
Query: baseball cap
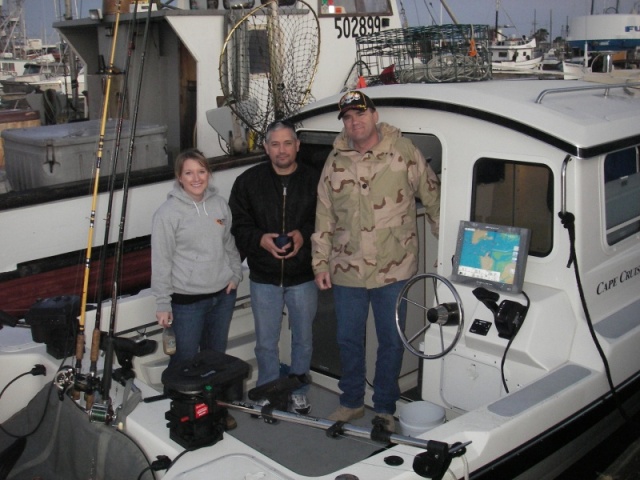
(354, 100)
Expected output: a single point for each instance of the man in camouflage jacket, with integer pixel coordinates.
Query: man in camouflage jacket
(365, 245)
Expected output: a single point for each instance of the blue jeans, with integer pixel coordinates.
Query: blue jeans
(268, 302)
(352, 310)
(202, 325)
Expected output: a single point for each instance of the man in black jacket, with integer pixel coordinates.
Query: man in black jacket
(273, 206)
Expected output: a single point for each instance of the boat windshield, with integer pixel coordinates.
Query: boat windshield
(31, 68)
(515, 194)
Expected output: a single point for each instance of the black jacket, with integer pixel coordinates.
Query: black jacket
(256, 205)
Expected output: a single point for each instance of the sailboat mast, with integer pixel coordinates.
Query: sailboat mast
(14, 34)
(73, 64)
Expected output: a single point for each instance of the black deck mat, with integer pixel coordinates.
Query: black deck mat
(303, 449)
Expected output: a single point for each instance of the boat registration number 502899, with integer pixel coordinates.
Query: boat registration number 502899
(352, 27)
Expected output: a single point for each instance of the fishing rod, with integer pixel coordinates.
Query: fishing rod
(108, 347)
(95, 341)
(80, 340)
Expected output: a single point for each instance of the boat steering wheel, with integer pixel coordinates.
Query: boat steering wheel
(443, 314)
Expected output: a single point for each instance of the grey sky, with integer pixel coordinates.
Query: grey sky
(549, 14)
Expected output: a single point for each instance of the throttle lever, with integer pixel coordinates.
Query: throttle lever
(488, 298)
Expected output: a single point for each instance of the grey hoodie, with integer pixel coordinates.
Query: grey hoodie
(192, 249)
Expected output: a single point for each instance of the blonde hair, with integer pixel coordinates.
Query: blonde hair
(191, 154)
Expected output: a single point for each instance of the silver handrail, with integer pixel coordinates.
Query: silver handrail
(584, 88)
(563, 184)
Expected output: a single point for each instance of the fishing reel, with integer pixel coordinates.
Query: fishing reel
(101, 412)
(64, 379)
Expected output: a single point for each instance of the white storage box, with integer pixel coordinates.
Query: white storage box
(55, 154)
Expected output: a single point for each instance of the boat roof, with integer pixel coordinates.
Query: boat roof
(583, 119)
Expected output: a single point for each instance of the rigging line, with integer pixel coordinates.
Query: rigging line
(403, 15)
(80, 342)
(568, 221)
(510, 20)
(415, 6)
(108, 362)
(433, 20)
(506, 350)
(95, 344)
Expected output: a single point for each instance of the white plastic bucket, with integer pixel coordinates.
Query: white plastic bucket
(419, 417)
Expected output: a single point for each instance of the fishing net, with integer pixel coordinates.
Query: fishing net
(268, 62)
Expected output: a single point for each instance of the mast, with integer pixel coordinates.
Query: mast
(497, 31)
(15, 38)
(73, 64)
(451, 14)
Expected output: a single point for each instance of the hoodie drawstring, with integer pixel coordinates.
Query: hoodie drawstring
(204, 207)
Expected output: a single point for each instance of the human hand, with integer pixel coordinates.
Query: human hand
(164, 319)
(323, 280)
(297, 240)
(268, 242)
(231, 287)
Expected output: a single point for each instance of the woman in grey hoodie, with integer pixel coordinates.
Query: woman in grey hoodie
(195, 265)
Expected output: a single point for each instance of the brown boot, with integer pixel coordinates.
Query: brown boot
(387, 421)
(345, 414)
(229, 422)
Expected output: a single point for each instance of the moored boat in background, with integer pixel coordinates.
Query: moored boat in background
(515, 54)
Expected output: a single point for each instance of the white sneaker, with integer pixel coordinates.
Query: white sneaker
(299, 404)
(258, 406)
(263, 402)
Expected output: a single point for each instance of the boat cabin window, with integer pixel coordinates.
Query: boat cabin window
(515, 194)
(357, 7)
(32, 68)
(622, 194)
(316, 146)
(7, 67)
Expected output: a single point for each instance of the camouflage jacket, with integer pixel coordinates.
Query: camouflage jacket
(365, 233)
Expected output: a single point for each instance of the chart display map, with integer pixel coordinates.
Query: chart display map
(489, 255)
